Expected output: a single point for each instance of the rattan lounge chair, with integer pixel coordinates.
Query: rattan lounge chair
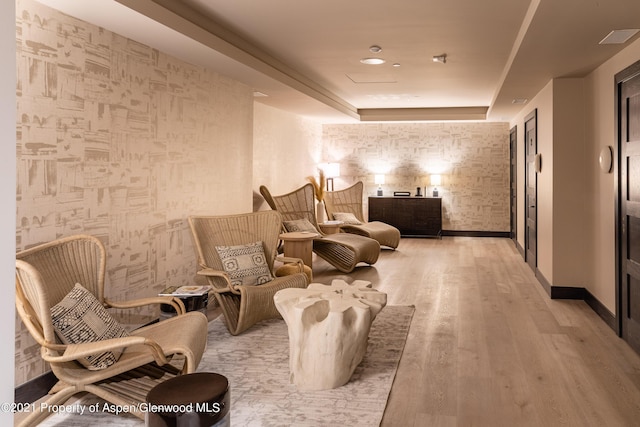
(45, 276)
(343, 250)
(243, 305)
(349, 201)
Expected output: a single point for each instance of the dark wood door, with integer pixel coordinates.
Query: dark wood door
(513, 179)
(531, 191)
(628, 117)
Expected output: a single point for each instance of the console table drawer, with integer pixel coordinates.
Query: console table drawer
(413, 216)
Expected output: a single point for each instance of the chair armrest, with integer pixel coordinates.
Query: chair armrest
(210, 272)
(73, 352)
(176, 303)
(291, 260)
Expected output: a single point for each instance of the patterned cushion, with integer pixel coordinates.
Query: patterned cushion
(245, 264)
(347, 218)
(81, 318)
(299, 225)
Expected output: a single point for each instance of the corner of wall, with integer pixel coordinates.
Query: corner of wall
(8, 196)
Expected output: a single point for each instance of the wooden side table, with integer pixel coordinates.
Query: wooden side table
(330, 227)
(299, 244)
(328, 330)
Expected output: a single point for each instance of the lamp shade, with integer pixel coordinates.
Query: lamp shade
(436, 180)
(379, 179)
(331, 170)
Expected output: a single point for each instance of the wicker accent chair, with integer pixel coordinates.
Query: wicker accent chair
(243, 305)
(344, 251)
(45, 274)
(349, 200)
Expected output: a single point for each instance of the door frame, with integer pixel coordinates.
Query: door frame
(624, 75)
(513, 183)
(533, 115)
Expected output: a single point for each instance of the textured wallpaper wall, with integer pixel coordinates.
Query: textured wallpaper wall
(123, 142)
(291, 143)
(472, 158)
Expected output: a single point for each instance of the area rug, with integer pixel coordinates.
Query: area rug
(256, 363)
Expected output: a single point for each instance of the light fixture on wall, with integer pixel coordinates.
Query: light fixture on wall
(379, 179)
(331, 170)
(606, 159)
(537, 163)
(435, 181)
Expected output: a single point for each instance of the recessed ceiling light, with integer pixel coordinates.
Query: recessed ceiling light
(375, 49)
(440, 58)
(519, 101)
(619, 36)
(372, 61)
(396, 64)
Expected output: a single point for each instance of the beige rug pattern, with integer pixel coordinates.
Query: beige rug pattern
(256, 363)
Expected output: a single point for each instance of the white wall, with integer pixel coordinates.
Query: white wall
(576, 202)
(569, 176)
(8, 197)
(286, 149)
(600, 132)
(543, 103)
(124, 142)
(561, 196)
(471, 157)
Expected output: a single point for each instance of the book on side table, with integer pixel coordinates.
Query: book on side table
(193, 297)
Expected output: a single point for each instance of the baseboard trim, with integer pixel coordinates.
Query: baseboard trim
(602, 311)
(543, 281)
(566, 292)
(520, 249)
(559, 292)
(471, 233)
(34, 389)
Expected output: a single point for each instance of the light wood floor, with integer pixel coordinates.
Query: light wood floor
(487, 347)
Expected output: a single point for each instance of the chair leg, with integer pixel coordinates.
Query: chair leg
(37, 416)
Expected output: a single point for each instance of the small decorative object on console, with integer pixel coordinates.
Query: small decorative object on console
(379, 179)
(436, 180)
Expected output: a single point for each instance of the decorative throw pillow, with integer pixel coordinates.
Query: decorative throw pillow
(245, 264)
(347, 218)
(81, 318)
(299, 225)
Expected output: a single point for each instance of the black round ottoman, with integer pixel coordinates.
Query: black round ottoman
(200, 399)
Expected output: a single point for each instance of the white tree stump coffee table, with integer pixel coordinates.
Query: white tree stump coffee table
(328, 330)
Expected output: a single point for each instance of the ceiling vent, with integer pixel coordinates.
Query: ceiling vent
(619, 36)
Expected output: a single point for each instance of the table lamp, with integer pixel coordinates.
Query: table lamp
(331, 170)
(379, 179)
(435, 181)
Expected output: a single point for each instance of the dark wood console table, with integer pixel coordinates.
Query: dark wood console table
(413, 216)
